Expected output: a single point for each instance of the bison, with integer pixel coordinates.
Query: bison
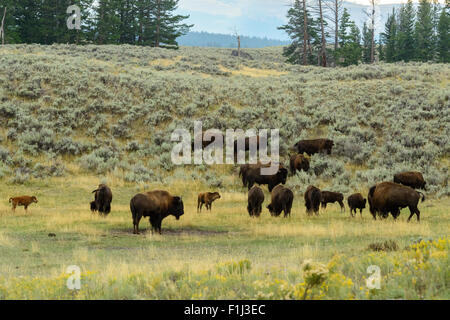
(157, 205)
(411, 179)
(206, 198)
(332, 197)
(24, 201)
(252, 174)
(390, 197)
(356, 201)
(103, 198)
(313, 196)
(281, 200)
(311, 147)
(298, 162)
(255, 201)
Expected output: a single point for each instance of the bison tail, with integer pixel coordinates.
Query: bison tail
(371, 191)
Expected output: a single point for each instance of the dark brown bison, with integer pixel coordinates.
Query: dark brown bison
(311, 147)
(204, 144)
(390, 197)
(255, 201)
(298, 162)
(411, 179)
(281, 200)
(313, 196)
(246, 146)
(356, 201)
(206, 198)
(23, 201)
(332, 197)
(157, 205)
(253, 175)
(103, 198)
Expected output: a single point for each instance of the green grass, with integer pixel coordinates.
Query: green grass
(196, 245)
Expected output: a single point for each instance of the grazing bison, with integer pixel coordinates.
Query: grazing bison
(298, 162)
(207, 199)
(246, 144)
(390, 197)
(103, 198)
(311, 147)
(24, 201)
(356, 201)
(157, 205)
(253, 175)
(282, 199)
(312, 200)
(332, 197)
(255, 201)
(411, 179)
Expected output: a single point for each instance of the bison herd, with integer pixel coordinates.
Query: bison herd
(383, 198)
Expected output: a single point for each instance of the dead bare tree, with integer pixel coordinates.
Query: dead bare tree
(371, 16)
(305, 34)
(323, 52)
(2, 27)
(335, 7)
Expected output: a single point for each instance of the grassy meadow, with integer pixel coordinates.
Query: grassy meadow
(73, 117)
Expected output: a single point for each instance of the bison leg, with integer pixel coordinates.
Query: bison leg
(201, 205)
(324, 205)
(414, 211)
(342, 206)
(360, 212)
(136, 224)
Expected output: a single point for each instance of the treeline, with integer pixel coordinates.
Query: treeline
(410, 34)
(136, 22)
(206, 39)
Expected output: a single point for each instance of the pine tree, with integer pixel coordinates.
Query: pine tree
(424, 32)
(367, 44)
(389, 38)
(166, 27)
(349, 51)
(107, 22)
(443, 38)
(405, 33)
(303, 39)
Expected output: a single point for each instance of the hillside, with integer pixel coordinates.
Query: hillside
(68, 110)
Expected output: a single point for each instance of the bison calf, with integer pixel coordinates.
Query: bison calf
(332, 197)
(255, 201)
(206, 198)
(282, 199)
(24, 201)
(356, 201)
(312, 200)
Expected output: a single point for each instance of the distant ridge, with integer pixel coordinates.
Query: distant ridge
(206, 39)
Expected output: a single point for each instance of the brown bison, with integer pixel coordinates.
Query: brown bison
(332, 197)
(298, 162)
(282, 199)
(102, 200)
(313, 196)
(157, 205)
(206, 198)
(23, 201)
(311, 147)
(411, 179)
(204, 144)
(246, 146)
(252, 174)
(356, 201)
(390, 197)
(255, 201)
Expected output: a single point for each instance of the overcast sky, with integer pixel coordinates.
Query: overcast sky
(251, 17)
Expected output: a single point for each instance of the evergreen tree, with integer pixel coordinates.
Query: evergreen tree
(405, 33)
(443, 38)
(349, 51)
(367, 44)
(424, 32)
(389, 38)
(107, 22)
(300, 51)
(166, 27)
